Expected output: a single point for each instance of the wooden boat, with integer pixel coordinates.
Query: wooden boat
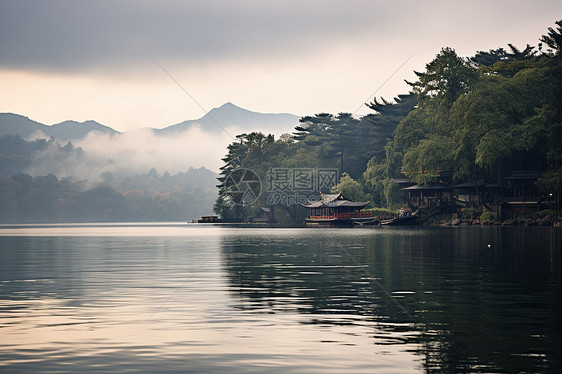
(347, 218)
(401, 221)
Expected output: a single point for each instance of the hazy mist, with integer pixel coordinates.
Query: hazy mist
(133, 152)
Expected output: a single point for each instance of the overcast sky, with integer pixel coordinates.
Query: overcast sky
(116, 61)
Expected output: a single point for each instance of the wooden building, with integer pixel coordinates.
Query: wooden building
(264, 215)
(209, 219)
(336, 209)
(428, 196)
(477, 192)
(521, 196)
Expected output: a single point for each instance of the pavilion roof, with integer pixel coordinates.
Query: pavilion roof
(335, 201)
(429, 187)
(477, 183)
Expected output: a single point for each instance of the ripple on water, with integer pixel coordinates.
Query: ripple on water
(73, 299)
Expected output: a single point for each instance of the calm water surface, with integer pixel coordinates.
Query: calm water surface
(206, 299)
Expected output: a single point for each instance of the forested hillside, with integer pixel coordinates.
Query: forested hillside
(478, 117)
(118, 196)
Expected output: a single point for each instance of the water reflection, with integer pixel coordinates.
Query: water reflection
(471, 299)
(156, 303)
(311, 274)
(177, 299)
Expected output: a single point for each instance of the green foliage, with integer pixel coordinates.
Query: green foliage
(507, 68)
(143, 197)
(348, 143)
(472, 118)
(550, 212)
(423, 163)
(494, 56)
(446, 78)
(412, 129)
(488, 216)
(471, 213)
(374, 177)
(260, 153)
(381, 212)
(393, 195)
(385, 120)
(334, 135)
(554, 39)
(484, 120)
(350, 188)
(320, 141)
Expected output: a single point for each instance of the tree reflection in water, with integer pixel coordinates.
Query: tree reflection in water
(465, 305)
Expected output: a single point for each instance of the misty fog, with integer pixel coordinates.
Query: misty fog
(133, 152)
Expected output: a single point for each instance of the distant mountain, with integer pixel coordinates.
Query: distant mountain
(228, 117)
(70, 130)
(15, 124)
(231, 116)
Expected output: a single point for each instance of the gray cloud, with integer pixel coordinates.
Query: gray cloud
(86, 59)
(68, 35)
(65, 35)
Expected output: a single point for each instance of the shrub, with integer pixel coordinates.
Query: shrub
(381, 212)
(471, 213)
(550, 212)
(488, 216)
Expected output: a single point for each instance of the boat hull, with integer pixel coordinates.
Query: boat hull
(339, 221)
(400, 221)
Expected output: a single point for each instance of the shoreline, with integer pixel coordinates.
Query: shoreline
(451, 223)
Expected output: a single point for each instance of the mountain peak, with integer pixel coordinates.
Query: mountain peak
(15, 124)
(72, 123)
(229, 115)
(69, 130)
(230, 107)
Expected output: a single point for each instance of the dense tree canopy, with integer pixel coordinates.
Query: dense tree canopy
(469, 118)
(324, 141)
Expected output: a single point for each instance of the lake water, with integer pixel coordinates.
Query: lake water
(207, 299)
